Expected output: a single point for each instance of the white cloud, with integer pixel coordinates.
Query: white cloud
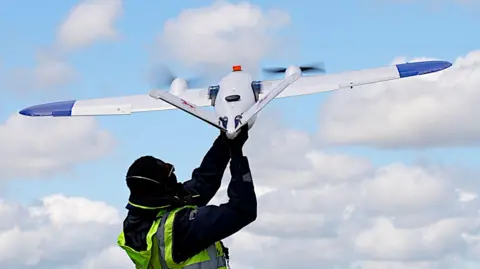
(432, 110)
(340, 210)
(37, 147)
(399, 188)
(223, 34)
(111, 257)
(63, 211)
(59, 231)
(428, 242)
(52, 72)
(88, 22)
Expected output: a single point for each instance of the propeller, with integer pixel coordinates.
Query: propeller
(161, 76)
(313, 68)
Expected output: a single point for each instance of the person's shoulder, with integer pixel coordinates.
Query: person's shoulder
(186, 212)
(184, 217)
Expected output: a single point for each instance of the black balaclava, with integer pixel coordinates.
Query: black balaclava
(153, 184)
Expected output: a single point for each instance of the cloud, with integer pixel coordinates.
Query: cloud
(437, 110)
(341, 210)
(423, 243)
(36, 147)
(60, 232)
(223, 34)
(89, 22)
(111, 257)
(52, 71)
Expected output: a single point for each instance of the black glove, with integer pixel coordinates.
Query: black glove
(236, 145)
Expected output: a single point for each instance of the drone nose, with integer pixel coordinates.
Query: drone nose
(421, 68)
(63, 108)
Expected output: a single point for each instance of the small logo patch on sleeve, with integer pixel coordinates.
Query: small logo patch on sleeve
(193, 215)
(247, 177)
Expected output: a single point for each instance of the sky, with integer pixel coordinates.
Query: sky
(394, 162)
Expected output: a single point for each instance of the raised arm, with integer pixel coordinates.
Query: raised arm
(207, 178)
(196, 231)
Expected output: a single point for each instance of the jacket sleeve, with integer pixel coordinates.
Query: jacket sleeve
(207, 178)
(196, 229)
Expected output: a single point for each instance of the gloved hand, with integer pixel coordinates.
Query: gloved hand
(236, 145)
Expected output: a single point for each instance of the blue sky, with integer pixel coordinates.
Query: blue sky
(344, 34)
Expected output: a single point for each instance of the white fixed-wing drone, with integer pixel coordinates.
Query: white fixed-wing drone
(237, 98)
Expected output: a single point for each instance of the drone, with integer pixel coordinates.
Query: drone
(237, 98)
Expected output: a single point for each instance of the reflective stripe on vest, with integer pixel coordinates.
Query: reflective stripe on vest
(210, 258)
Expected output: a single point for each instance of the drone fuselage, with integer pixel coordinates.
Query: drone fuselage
(234, 94)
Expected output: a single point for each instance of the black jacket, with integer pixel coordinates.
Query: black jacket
(209, 223)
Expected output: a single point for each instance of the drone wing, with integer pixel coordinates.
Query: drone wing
(122, 105)
(330, 82)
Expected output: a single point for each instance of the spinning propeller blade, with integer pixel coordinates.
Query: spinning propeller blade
(161, 76)
(313, 68)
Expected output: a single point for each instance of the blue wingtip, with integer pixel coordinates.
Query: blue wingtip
(56, 109)
(421, 68)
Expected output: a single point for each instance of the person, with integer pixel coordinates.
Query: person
(169, 224)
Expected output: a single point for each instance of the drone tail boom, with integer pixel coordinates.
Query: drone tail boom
(262, 103)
